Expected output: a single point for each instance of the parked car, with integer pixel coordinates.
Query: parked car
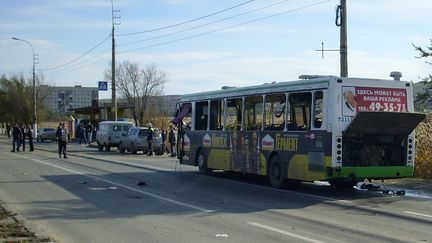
(110, 132)
(46, 134)
(136, 140)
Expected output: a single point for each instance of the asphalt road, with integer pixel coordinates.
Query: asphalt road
(110, 197)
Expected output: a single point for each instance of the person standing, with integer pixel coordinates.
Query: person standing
(62, 136)
(8, 130)
(164, 137)
(150, 139)
(172, 140)
(16, 135)
(89, 133)
(23, 134)
(30, 137)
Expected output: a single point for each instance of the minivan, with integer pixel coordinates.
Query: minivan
(110, 132)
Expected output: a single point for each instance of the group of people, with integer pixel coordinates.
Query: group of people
(22, 132)
(19, 134)
(85, 133)
(171, 134)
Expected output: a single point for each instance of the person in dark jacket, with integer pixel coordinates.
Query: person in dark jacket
(16, 135)
(30, 137)
(8, 130)
(23, 134)
(172, 140)
(150, 139)
(62, 138)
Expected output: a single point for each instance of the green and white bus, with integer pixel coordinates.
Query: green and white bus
(340, 130)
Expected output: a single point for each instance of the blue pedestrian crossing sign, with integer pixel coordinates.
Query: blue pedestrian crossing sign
(102, 85)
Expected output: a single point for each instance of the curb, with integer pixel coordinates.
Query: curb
(39, 234)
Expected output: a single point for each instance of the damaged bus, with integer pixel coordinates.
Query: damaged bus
(340, 130)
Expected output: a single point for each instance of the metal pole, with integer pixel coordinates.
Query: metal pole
(113, 85)
(34, 87)
(343, 40)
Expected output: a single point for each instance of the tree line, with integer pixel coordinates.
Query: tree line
(16, 99)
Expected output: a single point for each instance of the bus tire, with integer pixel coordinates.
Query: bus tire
(275, 172)
(202, 163)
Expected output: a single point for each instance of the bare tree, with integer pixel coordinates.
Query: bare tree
(426, 53)
(138, 86)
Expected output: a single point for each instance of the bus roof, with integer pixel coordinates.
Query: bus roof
(275, 87)
(280, 87)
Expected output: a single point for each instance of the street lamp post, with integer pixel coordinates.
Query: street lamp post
(34, 88)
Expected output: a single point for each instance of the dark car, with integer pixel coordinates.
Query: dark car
(46, 134)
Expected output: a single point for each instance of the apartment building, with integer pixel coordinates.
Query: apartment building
(64, 99)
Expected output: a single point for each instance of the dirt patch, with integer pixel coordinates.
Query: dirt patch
(12, 230)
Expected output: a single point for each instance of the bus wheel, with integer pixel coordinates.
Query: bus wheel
(275, 173)
(202, 164)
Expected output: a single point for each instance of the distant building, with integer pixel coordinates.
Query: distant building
(165, 105)
(64, 99)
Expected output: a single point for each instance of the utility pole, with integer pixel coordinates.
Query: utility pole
(34, 85)
(113, 63)
(341, 21)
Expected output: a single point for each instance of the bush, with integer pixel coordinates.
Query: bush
(423, 166)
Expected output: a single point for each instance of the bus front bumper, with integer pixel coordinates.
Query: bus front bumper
(372, 172)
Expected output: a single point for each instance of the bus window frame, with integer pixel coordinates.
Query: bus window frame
(265, 114)
(223, 107)
(226, 115)
(255, 116)
(323, 117)
(304, 113)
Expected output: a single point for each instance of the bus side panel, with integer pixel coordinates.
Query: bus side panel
(307, 154)
(191, 142)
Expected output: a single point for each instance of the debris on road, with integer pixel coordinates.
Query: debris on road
(141, 183)
(378, 188)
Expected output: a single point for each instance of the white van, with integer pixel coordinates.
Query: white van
(110, 132)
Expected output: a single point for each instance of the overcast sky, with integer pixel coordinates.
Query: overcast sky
(252, 43)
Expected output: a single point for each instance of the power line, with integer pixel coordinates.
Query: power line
(228, 27)
(77, 68)
(67, 69)
(202, 25)
(73, 60)
(185, 22)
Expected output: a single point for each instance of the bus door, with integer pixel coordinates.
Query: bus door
(182, 121)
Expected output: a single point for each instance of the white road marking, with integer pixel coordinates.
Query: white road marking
(87, 174)
(283, 232)
(418, 214)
